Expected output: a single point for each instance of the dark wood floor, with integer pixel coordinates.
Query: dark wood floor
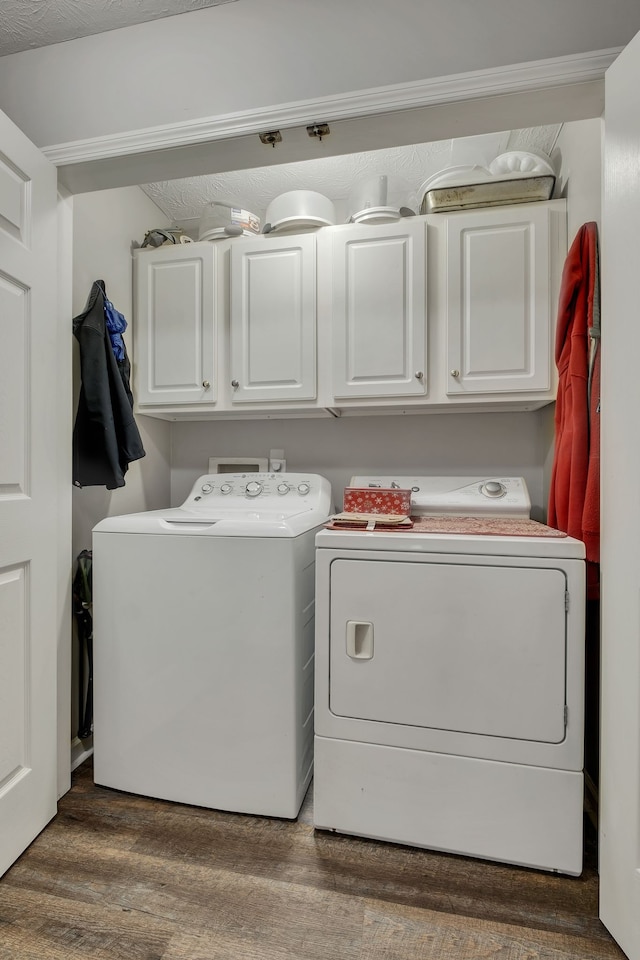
(119, 877)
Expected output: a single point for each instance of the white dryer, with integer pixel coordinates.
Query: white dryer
(449, 678)
(203, 644)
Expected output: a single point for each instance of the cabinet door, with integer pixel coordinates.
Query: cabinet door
(174, 352)
(379, 310)
(499, 311)
(273, 319)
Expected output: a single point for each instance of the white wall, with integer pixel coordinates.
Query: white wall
(464, 444)
(104, 226)
(579, 153)
(260, 53)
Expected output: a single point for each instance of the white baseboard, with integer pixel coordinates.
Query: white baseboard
(81, 750)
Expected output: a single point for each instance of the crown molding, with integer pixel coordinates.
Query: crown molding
(516, 78)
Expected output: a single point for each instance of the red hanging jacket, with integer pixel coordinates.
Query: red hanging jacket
(574, 496)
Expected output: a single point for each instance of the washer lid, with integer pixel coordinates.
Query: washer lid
(488, 496)
(181, 522)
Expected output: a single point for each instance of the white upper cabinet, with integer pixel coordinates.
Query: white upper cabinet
(378, 308)
(428, 313)
(273, 319)
(175, 325)
(501, 298)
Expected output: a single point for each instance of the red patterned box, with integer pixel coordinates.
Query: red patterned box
(377, 500)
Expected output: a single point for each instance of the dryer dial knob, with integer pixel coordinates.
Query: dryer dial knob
(283, 488)
(206, 487)
(225, 489)
(304, 488)
(253, 488)
(493, 488)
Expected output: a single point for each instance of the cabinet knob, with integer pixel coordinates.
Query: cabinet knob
(206, 384)
(419, 375)
(235, 383)
(455, 374)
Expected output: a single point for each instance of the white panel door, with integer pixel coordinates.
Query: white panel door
(620, 556)
(273, 319)
(499, 311)
(29, 502)
(406, 650)
(174, 324)
(379, 318)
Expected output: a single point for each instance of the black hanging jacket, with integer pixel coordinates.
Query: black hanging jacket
(105, 435)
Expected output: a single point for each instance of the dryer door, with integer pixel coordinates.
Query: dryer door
(478, 648)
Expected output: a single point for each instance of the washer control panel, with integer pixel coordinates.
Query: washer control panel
(493, 496)
(285, 492)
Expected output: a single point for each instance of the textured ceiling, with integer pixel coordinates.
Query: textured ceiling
(182, 201)
(27, 24)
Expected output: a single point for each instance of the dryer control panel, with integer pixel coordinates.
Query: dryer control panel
(491, 496)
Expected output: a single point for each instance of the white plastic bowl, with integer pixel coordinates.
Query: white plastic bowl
(299, 210)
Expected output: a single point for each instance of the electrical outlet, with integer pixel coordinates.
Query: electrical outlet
(277, 463)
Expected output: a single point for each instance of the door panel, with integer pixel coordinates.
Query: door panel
(379, 311)
(14, 430)
(619, 806)
(14, 666)
(462, 647)
(175, 313)
(498, 303)
(273, 319)
(30, 500)
(15, 190)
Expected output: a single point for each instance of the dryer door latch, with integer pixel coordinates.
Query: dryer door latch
(359, 640)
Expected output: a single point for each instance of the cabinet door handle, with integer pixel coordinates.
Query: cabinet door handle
(235, 383)
(455, 374)
(206, 384)
(419, 375)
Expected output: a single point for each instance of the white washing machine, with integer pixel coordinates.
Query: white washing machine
(203, 644)
(449, 678)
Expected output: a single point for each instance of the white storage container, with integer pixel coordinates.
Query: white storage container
(299, 210)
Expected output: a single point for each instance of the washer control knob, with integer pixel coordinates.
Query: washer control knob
(304, 488)
(283, 488)
(253, 488)
(206, 487)
(493, 488)
(225, 489)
